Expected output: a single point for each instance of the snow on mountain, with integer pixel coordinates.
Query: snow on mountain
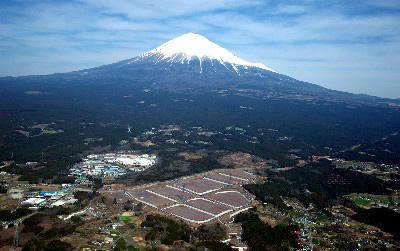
(189, 46)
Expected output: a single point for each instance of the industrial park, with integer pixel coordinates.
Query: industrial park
(110, 165)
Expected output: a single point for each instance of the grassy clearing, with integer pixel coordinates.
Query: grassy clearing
(364, 199)
(125, 219)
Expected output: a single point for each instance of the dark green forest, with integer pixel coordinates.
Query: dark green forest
(325, 182)
(103, 109)
(260, 236)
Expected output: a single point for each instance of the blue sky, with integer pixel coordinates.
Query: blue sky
(349, 45)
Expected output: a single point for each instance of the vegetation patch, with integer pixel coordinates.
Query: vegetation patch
(325, 182)
(385, 219)
(260, 236)
(165, 229)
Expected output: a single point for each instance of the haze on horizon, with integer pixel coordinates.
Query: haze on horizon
(349, 46)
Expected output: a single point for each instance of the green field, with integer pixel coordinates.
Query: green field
(125, 218)
(364, 199)
(362, 202)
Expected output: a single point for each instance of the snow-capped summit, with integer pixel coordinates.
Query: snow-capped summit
(189, 46)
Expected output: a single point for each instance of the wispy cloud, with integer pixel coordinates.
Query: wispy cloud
(352, 46)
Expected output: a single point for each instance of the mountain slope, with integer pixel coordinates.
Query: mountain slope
(193, 63)
(189, 54)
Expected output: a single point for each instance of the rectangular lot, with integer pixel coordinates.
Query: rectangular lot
(240, 174)
(187, 213)
(172, 193)
(232, 198)
(229, 180)
(150, 199)
(208, 206)
(199, 186)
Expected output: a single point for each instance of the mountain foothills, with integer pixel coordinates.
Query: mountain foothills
(315, 167)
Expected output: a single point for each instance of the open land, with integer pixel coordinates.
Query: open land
(232, 198)
(149, 198)
(189, 213)
(199, 186)
(209, 206)
(195, 199)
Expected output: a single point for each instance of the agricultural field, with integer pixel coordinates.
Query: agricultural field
(372, 200)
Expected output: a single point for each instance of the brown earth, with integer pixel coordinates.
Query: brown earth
(240, 160)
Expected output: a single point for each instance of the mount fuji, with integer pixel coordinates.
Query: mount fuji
(192, 63)
(192, 46)
(189, 55)
(191, 82)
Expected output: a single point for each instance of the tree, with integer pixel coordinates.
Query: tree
(138, 208)
(120, 245)
(211, 232)
(76, 219)
(3, 188)
(128, 206)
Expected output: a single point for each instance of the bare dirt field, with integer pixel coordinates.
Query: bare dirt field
(208, 206)
(199, 186)
(232, 198)
(120, 196)
(239, 160)
(172, 193)
(240, 174)
(188, 213)
(149, 198)
(229, 180)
